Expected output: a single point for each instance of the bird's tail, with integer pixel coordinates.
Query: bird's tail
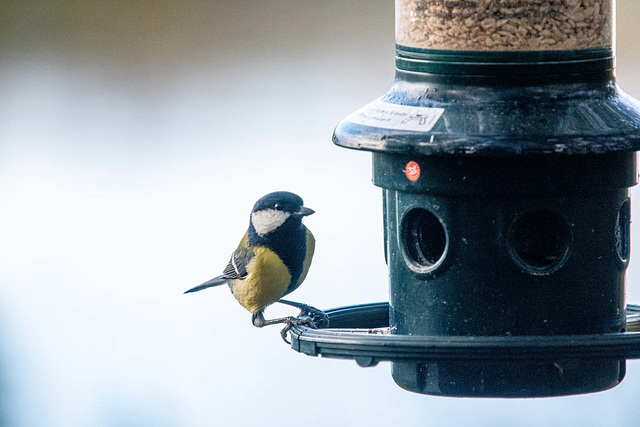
(216, 281)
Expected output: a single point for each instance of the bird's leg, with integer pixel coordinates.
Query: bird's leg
(319, 317)
(259, 321)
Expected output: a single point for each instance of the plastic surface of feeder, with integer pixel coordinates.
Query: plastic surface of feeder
(587, 62)
(529, 246)
(475, 366)
(497, 103)
(496, 116)
(361, 331)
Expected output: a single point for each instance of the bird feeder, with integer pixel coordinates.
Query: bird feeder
(505, 153)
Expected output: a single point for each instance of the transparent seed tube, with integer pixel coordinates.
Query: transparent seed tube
(505, 25)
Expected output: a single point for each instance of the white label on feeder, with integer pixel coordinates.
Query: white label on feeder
(384, 115)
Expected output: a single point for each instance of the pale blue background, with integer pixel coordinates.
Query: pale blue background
(134, 138)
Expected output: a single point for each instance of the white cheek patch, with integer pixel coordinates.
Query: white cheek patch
(268, 220)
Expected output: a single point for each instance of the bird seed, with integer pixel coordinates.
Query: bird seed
(504, 25)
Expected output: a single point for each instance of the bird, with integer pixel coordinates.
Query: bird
(272, 260)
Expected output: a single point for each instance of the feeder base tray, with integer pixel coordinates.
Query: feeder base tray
(475, 366)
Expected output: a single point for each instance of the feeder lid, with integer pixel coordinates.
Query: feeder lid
(483, 120)
(361, 333)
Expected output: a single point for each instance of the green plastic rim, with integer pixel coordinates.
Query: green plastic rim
(507, 63)
(360, 333)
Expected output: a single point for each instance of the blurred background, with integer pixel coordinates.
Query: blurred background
(134, 138)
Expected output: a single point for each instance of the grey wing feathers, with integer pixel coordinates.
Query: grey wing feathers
(231, 271)
(237, 266)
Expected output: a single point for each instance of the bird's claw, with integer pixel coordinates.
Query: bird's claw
(319, 317)
(296, 321)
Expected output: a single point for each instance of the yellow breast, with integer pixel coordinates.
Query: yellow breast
(266, 282)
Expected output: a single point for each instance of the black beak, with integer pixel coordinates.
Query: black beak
(303, 211)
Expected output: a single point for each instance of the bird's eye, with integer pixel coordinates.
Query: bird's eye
(278, 206)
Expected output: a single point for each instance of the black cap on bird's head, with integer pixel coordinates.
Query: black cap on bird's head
(273, 210)
(282, 201)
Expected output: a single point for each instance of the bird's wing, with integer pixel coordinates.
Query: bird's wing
(237, 266)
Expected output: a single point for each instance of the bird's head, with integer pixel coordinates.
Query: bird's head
(274, 209)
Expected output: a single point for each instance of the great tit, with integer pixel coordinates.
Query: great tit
(272, 259)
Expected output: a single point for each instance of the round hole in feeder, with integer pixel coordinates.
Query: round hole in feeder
(539, 241)
(622, 231)
(424, 240)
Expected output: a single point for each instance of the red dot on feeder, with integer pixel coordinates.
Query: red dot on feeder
(412, 171)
